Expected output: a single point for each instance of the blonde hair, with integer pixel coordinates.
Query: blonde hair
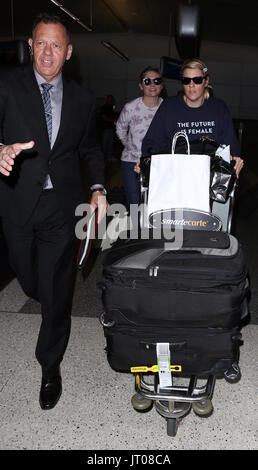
(198, 64)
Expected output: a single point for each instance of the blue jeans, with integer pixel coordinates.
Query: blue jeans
(130, 183)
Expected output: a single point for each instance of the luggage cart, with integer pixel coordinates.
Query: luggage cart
(175, 402)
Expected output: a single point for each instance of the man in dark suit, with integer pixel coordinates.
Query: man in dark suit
(47, 135)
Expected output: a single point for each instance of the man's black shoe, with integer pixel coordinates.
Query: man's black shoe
(50, 392)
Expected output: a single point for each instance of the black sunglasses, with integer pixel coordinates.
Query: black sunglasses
(147, 81)
(196, 80)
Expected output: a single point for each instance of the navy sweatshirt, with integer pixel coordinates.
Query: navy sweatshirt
(212, 119)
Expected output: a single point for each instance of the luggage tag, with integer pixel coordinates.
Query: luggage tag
(163, 356)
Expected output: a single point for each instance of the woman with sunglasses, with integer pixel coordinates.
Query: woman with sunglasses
(132, 126)
(194, 111)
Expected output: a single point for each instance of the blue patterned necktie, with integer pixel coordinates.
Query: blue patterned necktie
(47, 105)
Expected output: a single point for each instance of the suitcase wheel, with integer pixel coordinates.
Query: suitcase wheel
(203, 408)
(140, 403)
(233, 374)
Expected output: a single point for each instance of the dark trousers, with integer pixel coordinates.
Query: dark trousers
(42, 254)
(130, 183)
(108, 142)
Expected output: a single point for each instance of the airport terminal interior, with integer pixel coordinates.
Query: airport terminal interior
(95, 410)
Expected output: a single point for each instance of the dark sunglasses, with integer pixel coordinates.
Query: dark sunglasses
(196, 80)
(147, 81)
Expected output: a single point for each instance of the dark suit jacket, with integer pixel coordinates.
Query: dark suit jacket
(22, 119)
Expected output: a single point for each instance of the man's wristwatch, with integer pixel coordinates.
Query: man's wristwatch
(103, 191)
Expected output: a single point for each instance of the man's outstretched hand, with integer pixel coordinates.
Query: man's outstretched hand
(8, 153)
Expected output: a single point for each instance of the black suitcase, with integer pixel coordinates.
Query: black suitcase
(191, 298)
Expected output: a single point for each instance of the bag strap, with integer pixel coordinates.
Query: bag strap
(176, 136)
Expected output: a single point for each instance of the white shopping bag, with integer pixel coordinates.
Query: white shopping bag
(179, 181)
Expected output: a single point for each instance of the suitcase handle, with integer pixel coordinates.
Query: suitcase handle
(174, 346)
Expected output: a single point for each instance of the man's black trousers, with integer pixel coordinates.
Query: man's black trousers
(42, 254)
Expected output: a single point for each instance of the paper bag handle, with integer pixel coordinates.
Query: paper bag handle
(180, 134)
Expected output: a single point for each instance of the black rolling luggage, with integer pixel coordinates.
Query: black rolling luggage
(191, 298)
